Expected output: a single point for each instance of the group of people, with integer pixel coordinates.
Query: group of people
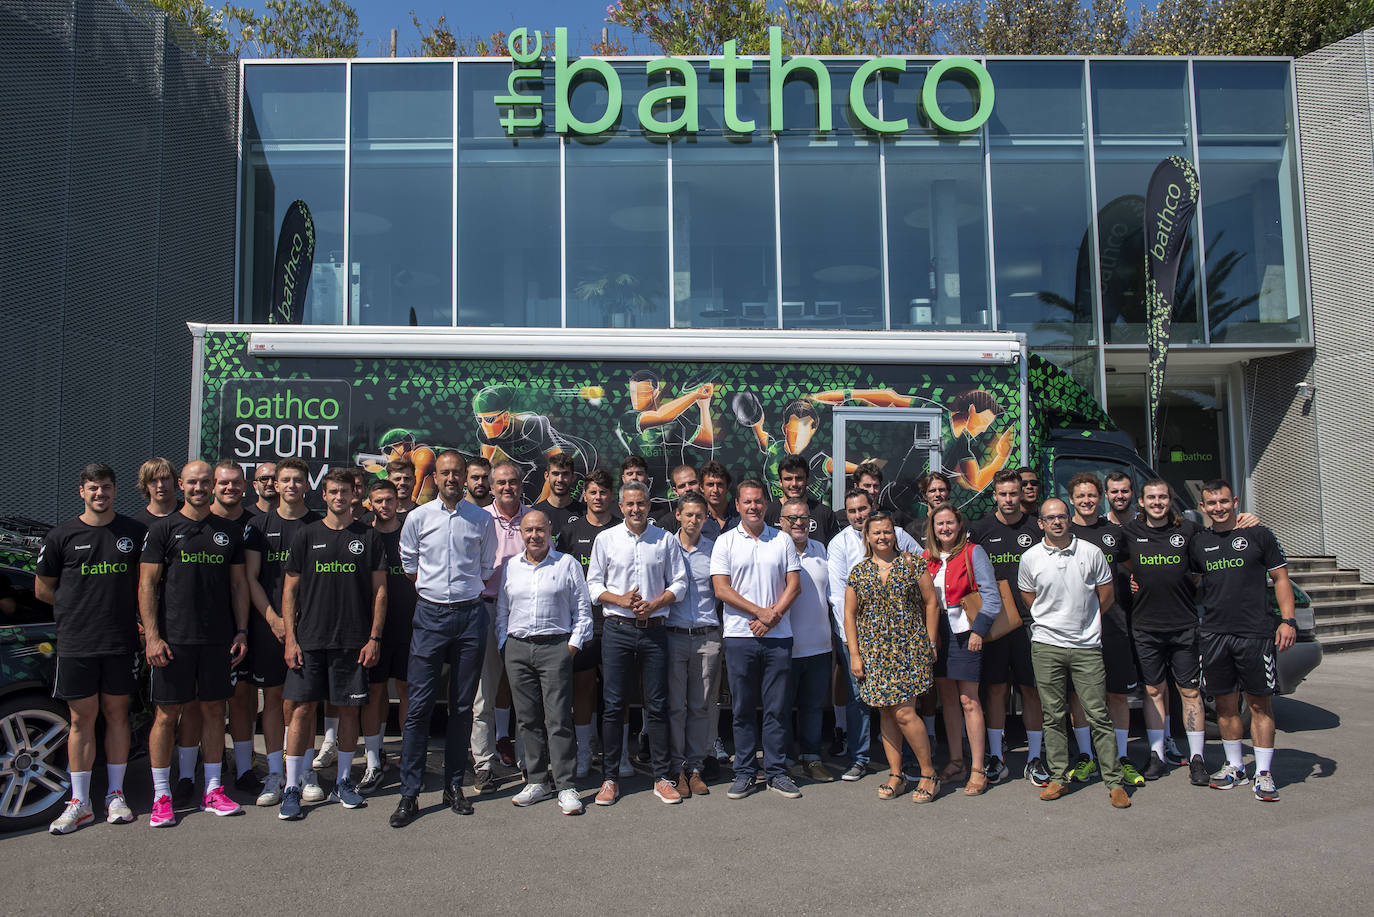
(546, 613)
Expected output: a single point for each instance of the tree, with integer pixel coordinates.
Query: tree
(859, 27)
(680, 27)
(438, 40)
(196, 26)
(300, 28)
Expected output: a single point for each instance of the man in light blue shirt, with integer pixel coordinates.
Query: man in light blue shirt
(694, 649)
(448, 547)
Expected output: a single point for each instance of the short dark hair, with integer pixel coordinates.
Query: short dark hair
(560, 460)
(96, 472)
(601, 478)
(753, 483)
(229, 465)
(868, 470)
(396, 465)
(1026, 469)
(1114, 476)
(1085, 477)
(693, 498)
(925, 480)
(1216, 485)
(714, 469)
(383, 484)
(476, 461)
(794, 463)
(1006, 476)
(676, 468)
(294, 464)
(633, 461)
(854, 492)
(340, 476)
(1174, 517)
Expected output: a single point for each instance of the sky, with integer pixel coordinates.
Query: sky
(583, 19)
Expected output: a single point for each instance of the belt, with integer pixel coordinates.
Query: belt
(464, 604)
(694, 631)
(543, 638)
(635, 622)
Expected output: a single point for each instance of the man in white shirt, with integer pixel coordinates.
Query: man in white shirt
(1065, 582)
(635, 573)
(543, 617)
(810, 618)
(693, 653)
(757, 574)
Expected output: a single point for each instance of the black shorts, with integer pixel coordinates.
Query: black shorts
(1118, 655)
(1168, 654)
(86, 676)
(266, 652)
(589, 657)
(393, 662)
(334, 676)
(195, 672)
(1007, 660)
(1231, 663)
(243, 672)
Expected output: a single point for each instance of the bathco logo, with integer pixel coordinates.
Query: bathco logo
(267, 420)
(1179, 456)
(673, 104)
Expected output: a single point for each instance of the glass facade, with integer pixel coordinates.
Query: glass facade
(431, 208)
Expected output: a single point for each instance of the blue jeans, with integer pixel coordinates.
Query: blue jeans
(856, 712)
(807, 691)
(760, 668)
(453, 634)
(621, 646)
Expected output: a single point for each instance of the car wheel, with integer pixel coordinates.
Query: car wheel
(33, 760)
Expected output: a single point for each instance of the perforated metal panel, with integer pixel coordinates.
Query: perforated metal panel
(117, 165)
(1284, 483)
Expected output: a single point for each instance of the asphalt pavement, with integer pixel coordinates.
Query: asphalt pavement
(838, 850)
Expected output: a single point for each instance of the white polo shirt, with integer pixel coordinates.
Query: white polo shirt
(1065, 611)
(758, 569)
(810, 611)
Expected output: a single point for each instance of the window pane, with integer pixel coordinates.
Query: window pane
(293, 149)
(401, 197)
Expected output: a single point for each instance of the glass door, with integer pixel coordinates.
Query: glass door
(904, 442)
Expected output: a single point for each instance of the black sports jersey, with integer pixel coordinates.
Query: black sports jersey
(146, 519)
(822, 519)
(1004, 545)
(400, 592)
(96, 568)
(1167, 598)
(334, 601)
(272, 537)
(1234, 591)
(576, 539)
(560, 516)
(1108, 536)
(243, 521)
(195, 605)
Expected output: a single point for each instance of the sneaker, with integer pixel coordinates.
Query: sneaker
(329, 753)
(627, 768)
(290, 804)
(1129, 774)
(532, 793)
(271, 790)
(217, 802)
(1037, 773)
(719, 753)
(1265, 788)
(1228, 778)
(1084, 769)
(1197, 772)
(818, 772)
(248, 782)
(311, 791)
(1172, 754)
(609, 794)
(371, 782)
(162, 816)
(839, 742)
(570, 803)
(855, 772)
(76, 815)
(1156, 768)
(742, 787)
(666, 792)
(346, 795)
(183, 792)
(996, 770)
(117, 811)
(483, 781)
(783, 784)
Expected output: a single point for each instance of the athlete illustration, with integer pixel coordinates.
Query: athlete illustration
(662, 432)
(401, 443)
(799, 424)
(524, 437)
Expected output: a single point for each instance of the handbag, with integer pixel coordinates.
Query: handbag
(1008, 619)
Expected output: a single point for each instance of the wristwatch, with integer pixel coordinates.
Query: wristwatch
(378, 639)
(241, 632)
(1291, 622)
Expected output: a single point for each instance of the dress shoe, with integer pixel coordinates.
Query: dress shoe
(405, 813)
(1053, 790)
(683, 786)
(697, 785)
(1120, 798)
(505, 748)
(455, 800)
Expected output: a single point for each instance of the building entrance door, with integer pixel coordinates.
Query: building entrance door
(1194, 429)
(904, 441)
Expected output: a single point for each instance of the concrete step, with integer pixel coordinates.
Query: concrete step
(1325, 577)
(1306, 564)
(1339, 592)
(1349, 624)
(1326, 611)
(1363, 640)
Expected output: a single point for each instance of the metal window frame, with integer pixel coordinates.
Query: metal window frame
(840, 417)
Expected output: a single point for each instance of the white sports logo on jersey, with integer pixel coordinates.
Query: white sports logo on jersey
(355, 547)
(1177, 540)
(124, 545)
(1239, 544)
(1109, 539)
(221, 539)
(1024, 540)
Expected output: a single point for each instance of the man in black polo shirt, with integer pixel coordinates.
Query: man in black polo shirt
(1239, 634)
(193, 600)
(88, 571)
(1005, 536)
(794, 476)
(559, 479)
(334, 605)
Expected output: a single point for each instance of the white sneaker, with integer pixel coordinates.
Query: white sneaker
(311, 791)
(570, 802)
(532, 793)
(627, 768)
(76, 815)
(271, 790)
(117, 811)
(329, 753)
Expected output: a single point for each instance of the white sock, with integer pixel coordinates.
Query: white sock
(212, 772)
(295, 766)
(331, 729)
(930, 725)
(243, 757)
(995, 743)
(1197, 743)
(839, 717)
(373, 745)
(502, 722)
(186, 762)
(115, 777)
(162, 782)
(584, 739)
(345, 771)
(1122, 737)
(1085, 742)
(1235, 752)
(1263, 758)
(1156, 740)
(81, 785)
(1035, 739)
(274, 763)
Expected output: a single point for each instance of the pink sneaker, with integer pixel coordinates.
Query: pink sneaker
(163, 816)
(217, 803)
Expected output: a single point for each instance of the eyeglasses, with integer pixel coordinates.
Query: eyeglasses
(795, 519)
(1030, 483)
(1057, 517)
(264, 478)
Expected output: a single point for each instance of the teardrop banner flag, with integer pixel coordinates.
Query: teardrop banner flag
(1169, 205)
(295, 256)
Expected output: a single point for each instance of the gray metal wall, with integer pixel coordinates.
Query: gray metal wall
(117, 170)
(1335, 99)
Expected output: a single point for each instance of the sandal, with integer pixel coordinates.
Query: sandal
(953, 771)
(888, 791)
(921, 794)
(977, 782)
